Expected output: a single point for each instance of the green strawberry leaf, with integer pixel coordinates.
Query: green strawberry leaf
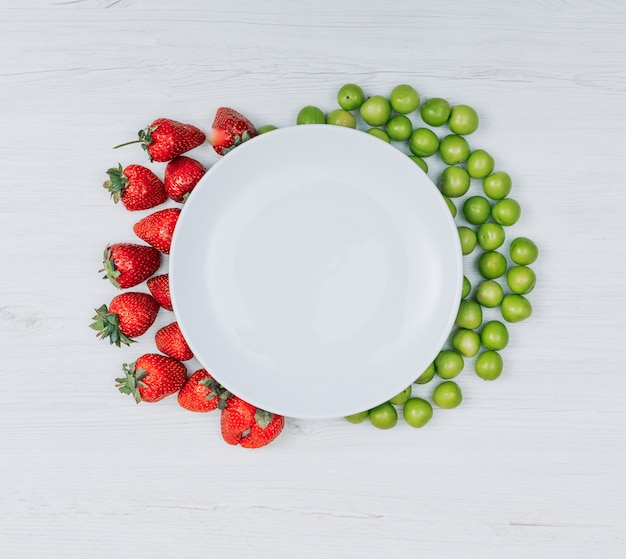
(117, 182)
(131, 382)
(108, 326)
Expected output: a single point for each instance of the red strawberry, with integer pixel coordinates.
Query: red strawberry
(236, 419)
(202, 393)
(181, 176)
(165, 139)
(128, 264)
(230, 129)
(169, 340)
(159, 286)
(152, 377)
(157, 228)
(128, 315)
(251, 427)
(137, 187)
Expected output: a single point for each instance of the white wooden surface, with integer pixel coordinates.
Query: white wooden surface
(529, 466)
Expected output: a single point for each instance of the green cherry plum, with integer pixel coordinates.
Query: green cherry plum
(523, 251)
(350, 97)
(401, 397)
(383, 416)
(492, 264)
(404, 99)
(489, 294)
(376, 110)
(359, 417)
(448, 363)
(423, 142)
(469, 315)
(463, 120)
(435, 111)
(341, 117)
(494, 335)
(311, 115)
(379, 133)
(454, 181)
(447, 395)
(427, 375)
(506, 212)
(521, 279)
(489, 365)
(417, 412)
(497, 185)
(479, 164)
(515, 307)
(466, 342)
(467, 238)
(454, 149)
(399, 128)
(476, 209)
(490, 235)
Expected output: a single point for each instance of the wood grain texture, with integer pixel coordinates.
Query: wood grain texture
(529, 466)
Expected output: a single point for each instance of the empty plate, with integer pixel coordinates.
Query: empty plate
(315, 271)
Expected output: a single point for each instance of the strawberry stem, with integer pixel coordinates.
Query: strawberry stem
(144, 138)
(128, 143)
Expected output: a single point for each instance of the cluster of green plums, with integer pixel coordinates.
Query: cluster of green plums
(434, 127)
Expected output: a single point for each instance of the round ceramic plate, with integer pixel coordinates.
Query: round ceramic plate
(315, 271)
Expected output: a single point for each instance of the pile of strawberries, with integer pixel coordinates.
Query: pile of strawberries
(153, 376)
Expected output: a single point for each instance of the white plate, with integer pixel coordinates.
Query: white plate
(315, 271)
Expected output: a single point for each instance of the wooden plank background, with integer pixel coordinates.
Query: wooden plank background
(529, 466)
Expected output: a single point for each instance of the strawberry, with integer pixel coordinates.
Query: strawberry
(157, 228)
(128, 264)
(166, 139)
(152, 377)
(236, 419)
(128, 315)
(169, 340)
(136, 186)
(246, 425)
(202, 393)
(230, 129)
(181, 176)
(159, 286)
